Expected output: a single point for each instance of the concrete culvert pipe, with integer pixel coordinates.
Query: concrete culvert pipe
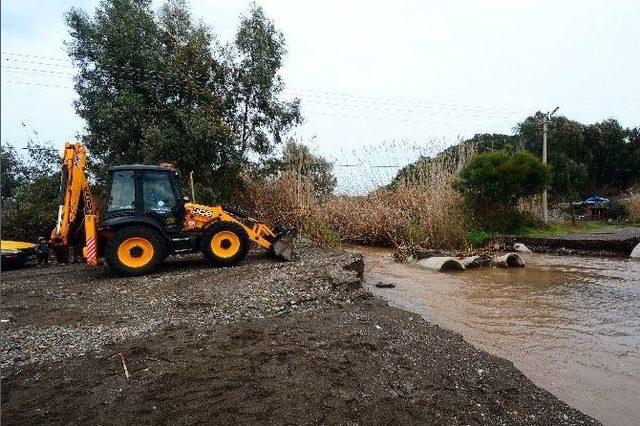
(635, 253)
(442, 264)
(471, 262)
(508, 260)
(521, 248)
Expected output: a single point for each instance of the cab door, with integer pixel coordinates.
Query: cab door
(160, 200)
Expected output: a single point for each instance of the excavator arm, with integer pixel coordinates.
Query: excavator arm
(77, 207)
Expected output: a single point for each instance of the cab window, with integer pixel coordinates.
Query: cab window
(123, 191)
(157, 192)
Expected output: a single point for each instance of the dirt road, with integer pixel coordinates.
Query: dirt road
(261, 343)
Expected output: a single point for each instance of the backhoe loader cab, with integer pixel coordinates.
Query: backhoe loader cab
(148, 218)
(148, 193)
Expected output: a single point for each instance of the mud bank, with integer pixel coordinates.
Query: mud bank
(262, 343)
(618, 243)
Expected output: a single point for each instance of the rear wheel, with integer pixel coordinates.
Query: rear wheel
(225, 244)
(135, 250)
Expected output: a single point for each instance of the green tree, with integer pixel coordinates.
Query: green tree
(493, 182)
(425, 169)
(258, 117)
(298, 157)
(155, 87)
(585, 158)
(10, 172)
(29, 209)
(600, 157)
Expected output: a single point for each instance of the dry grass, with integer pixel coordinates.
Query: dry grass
(406, 215)
(287, 200)
(633, 205)
(422, 209)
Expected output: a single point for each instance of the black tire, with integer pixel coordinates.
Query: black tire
(149, 255)
(232, 256)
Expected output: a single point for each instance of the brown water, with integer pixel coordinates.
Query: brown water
(571, 324)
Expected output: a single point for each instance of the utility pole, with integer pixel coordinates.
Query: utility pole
(545, 207)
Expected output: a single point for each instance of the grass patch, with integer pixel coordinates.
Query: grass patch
(554, 229)
(477, 238)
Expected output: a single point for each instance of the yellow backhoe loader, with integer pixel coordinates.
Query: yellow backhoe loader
(148, 218)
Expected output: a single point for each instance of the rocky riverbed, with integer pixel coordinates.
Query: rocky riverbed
(261, 343)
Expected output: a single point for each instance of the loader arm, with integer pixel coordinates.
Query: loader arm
(77, 206)
(279, 241)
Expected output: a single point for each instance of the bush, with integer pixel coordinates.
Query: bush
(616, 209)
(492, 184)
(406, 215)
(632, 202)
(477, 238)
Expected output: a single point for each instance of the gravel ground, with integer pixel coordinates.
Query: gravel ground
(65, 311)
(262, 343)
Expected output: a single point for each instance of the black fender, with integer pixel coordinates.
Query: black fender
(115, 223)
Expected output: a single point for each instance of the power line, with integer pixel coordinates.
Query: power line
(404, 112)
(415, 104)
(394, 110)
(313, 92)
(396, 100)
(37, 84)
(407, 110)
(27, 55)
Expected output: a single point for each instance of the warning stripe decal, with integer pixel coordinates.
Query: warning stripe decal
(91, 251)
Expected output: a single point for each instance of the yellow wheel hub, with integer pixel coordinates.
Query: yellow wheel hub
(225, 244)
(135, 252)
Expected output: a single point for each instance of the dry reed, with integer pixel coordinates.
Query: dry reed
(632, 202)
(422, 208)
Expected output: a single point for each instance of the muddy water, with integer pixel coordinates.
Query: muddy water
(571, 324)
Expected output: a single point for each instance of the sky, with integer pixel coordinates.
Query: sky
(380, 82)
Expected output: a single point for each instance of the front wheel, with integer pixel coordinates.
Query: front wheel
(225, 244)
(135, 250)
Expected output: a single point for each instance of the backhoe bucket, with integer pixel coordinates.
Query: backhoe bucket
(284, 244)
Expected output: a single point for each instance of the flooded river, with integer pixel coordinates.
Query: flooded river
(571, 324)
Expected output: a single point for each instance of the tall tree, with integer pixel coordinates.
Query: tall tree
(156, 87)
(259, 118)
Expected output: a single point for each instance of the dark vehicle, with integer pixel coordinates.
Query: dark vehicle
(16, 254)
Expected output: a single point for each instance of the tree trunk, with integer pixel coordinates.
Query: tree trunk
(243, 139)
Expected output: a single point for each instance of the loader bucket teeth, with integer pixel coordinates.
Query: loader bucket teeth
(284, 244)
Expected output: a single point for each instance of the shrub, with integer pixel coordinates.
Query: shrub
(632, 202)
(477, 238)
(617, 209)
(492, 184)
(405, 215)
